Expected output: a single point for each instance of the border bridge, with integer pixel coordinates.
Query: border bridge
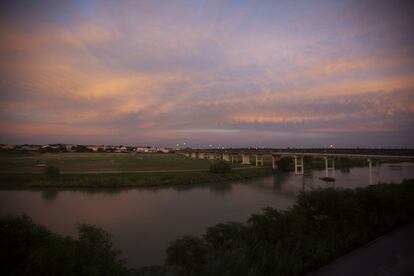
(243, 156)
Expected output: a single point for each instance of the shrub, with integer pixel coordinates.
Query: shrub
(220, 167)
(52, 172)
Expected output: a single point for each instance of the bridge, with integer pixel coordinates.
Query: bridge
(243, 156)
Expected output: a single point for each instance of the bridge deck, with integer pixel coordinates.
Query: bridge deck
(368, 156)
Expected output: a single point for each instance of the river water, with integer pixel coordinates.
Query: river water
(144, 221)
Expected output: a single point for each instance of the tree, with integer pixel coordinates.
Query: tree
(220, 167)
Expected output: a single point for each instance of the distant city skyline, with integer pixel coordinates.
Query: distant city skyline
(229, 73)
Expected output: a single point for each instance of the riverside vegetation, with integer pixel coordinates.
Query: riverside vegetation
(322, 225)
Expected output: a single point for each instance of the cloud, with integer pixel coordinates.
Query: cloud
(134, 72)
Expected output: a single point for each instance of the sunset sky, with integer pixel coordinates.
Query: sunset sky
(234, 73)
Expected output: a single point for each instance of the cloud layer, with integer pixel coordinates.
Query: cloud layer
(244, 73)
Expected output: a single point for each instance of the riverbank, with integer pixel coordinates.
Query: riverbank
(126, 180)
(99, 162)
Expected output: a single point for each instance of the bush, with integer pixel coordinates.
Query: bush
(52, 172)
(220, 167)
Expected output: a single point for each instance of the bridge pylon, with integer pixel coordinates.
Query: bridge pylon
(299, 166)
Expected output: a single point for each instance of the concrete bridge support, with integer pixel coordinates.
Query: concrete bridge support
(329, 168)
(226, 157)
(234, 158)
(259, 160)
(245, 159)
(194, 155)
(218, 156)
(201, 155)
(299, 167)
(370, 161)
(211, 156)
(275, 159)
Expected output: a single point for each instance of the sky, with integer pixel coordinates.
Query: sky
(228, 73)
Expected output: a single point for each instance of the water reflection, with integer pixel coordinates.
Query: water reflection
(220, 188)
(279, 179)
(345, 170)
(49, 194)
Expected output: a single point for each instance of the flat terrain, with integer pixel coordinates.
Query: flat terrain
(19, 170)
(95, 162)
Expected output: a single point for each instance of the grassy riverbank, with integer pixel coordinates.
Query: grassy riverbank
(321, 226)
(96, 162)
(120, 180)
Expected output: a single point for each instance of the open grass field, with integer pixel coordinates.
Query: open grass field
(82, 170)
(124, 180)
(95, 162)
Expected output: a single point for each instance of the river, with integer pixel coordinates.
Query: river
(144, 221)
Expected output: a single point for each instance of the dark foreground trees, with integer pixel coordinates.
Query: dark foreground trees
(30, 249)
(321, 226)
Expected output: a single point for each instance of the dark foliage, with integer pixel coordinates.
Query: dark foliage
(321, 226)
(30, 249)
(81, 148)
(187, 255)
(220, 167)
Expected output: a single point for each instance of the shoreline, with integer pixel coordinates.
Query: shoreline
(127, 179)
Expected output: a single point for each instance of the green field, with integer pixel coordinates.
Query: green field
(125, 180)
(18, 170)
(96, 162)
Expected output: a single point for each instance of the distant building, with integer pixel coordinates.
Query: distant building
(29, 148)
(70, 147)
(143, 149)
(96, 148)
(121, 149)
(152, 150)
(164, 150)
(93, 148)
